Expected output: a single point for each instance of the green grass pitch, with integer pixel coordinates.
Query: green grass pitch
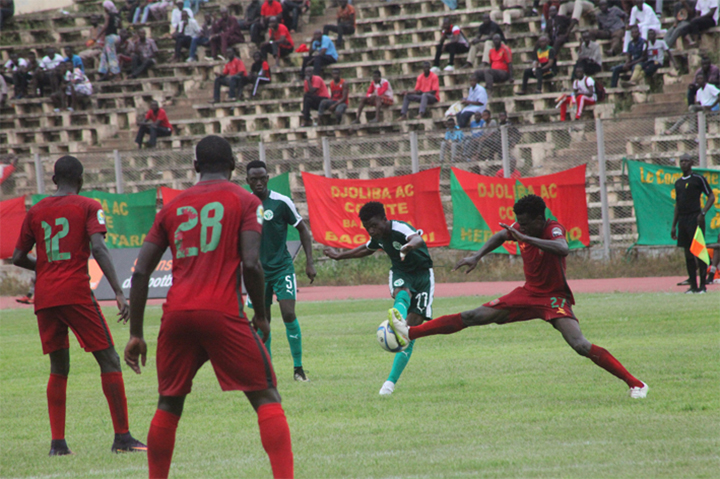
(494, 402)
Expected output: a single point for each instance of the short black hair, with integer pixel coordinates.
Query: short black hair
(531, 205)
(377, 72)
(68, 168)
(255, 164)
(371, 210)
(214, 155)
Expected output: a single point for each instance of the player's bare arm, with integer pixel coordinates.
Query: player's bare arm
(673, 230)
(306, 242)
(557, 246)
(415, 241)
(24, 260)
(708, 204)
(148, 259)
(493, 243)
(102, 256)
(254, 279)
(359, 252)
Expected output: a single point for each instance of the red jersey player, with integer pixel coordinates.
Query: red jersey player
(64, 226)
(545, 295)
(214, 230)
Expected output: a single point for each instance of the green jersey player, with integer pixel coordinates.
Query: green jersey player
(278, 212)
(412, 282)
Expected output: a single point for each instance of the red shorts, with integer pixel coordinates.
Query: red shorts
(86, 321)
(524, 305)
(387, 100)
(189, 338)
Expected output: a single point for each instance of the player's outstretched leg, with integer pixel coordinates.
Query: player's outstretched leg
(274, 431)
(571, 332)
(56, 398)
(161, 437)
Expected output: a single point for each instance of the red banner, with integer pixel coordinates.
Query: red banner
(168, 194)
(334, 205)
(12, 215)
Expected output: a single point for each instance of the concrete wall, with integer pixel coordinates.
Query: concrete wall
(31, 6)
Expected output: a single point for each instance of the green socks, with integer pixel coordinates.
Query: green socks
(402, 302)
(267, 343)
(401, 360)
(294, 337)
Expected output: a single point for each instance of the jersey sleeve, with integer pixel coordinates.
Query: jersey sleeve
(26, 241)
(556, 231)
(157, 234)
(372, 245)
(95, 219)
(252, 215)
(404, 229)
(705, 185)
(292, 216)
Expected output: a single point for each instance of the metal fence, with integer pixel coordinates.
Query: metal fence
(532, 150)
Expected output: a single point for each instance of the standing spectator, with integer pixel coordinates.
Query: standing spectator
(543, 67)
(589, 55)
(225, 33)
(513, 168)
(251, 22)
(15, 74)
(108, 57)
(202, 38)
(233, 75)
(711, 74)
(7, 10)
(322, 52)
(683, 13)
(379, 94)
(453, 41)
(583, 94)
(427, 92)
(643, 16)
(500, 68)
(291, 14)
(611, 25)
(511, 9)
(315, 93)
(453, 137)
(689, 216)
(268, 10)
(74, 59)
(176, 15)
(259, 72)
(144, 52)
(487, 29)
(339, 97)
(655, 57)
(636, 54)
(345, 23)
(558, 29)
(156, 124)
(3, 91)
(280, 42)
(186, 30)
(476, 101)
(707, 17)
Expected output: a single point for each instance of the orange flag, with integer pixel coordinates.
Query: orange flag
(698, 247)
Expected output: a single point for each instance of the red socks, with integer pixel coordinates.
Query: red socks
(275, 437)
(56, 393)
(161, 442)
(114, 389)
(449, 324)
(607, 361)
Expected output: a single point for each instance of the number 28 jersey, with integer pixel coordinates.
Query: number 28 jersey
(61, 226)
(202, 226)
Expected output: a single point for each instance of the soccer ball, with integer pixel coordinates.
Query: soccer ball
(387, 339)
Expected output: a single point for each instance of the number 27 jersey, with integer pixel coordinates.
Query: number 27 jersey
(202, 226)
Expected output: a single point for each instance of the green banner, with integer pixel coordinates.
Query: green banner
(128, 217)
(653, 192)
(281, 184)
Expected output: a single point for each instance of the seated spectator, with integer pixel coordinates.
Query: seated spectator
(322, 52)
(583, 94)
(74, 59)
(543, 67)
(252, 22)
(558, 29)
(176, 14)
(476, 101)
(93, 48)
(225, 33)
(281, 43)
(655, 52)
(683, 13)
(500, 68)
(339, 97)
(487, 29)
(48, 75)
(453, 138)
(706, 96)
(511, 9)
(711, 74)
(427, 92)
(513, 167)
(131, 9)
(79, 89)
(8, 163)
(589, 55)
(7, 10)
(268, 10)
(291, 13)
(233, 75)
(183, 35)
(259, 72)
(546, 8)
(124, 48)
(193, 5)
(156, 124)
(611, 25)
(706, 17)
(379, 94)
(60, 96)
(636, 54)
(643, 16)
(315, 93)
(345, 23)
(3, 91)
(13, 72)
(575, 9)
(453, 41)
(481, 126)
(201, 38)
(143, 57)
(24, 76)
(156, 9)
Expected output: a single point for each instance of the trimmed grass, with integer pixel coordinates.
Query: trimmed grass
(495, 402)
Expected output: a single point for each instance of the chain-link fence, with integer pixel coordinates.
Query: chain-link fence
(491, 147)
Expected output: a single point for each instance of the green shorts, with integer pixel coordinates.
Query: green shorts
(422, 289)
(283, 285)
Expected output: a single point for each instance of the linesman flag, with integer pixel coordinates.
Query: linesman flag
(698, 247)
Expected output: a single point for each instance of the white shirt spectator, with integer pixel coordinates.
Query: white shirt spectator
(584, 86)
(9, 65)
(192, 29)
(477, 93)
(707, 96)
(704, 6)
(176, 17)
(48, 63)
(645, 17)
(656, 51)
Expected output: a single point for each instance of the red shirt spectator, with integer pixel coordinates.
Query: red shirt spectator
(500, 59)
(273, 9)
(428, 83)
(501, 174)
(336, 91)
(233, 67)
(317, 82)
(281, 30)
(161, 116)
